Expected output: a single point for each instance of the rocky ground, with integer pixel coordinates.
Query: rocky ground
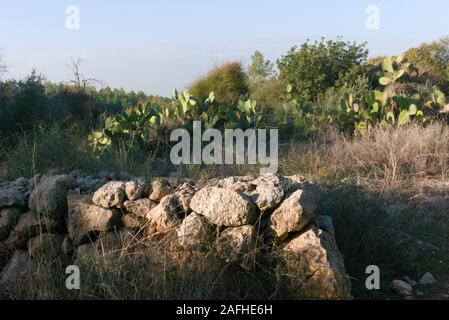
(70, 215)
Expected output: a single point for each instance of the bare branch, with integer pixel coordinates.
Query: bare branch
(78, 78)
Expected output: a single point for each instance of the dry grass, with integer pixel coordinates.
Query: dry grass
(149, 268)
(387, 159)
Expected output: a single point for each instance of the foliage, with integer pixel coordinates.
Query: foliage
(268, 92)
(313, 68)
(228, 81)
(259, 68)
(432, 61)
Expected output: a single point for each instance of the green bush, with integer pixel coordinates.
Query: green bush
(313, 68)
(228, 82)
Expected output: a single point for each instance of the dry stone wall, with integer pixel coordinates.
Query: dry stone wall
(234, 216)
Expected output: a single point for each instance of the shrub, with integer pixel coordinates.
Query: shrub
(228, 82)
(313, 68)
(432, 61)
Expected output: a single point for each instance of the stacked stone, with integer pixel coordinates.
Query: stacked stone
(238, 217)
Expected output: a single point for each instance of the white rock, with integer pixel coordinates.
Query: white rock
(269, 192)
(314, 256)
(164, 216)
(112, 194)
(223, 207)
(134, 189)
(294, 213)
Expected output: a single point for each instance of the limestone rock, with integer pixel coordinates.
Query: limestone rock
(160, 189)
(135, 189)
(236, 244)
(112, 194)
(269, 192)
(294, 213)
(237, 183)
(223, 207)
(164, 216)
(85, 217)
(194, 232)
(139, 207)
(49, 197)
(314, 256)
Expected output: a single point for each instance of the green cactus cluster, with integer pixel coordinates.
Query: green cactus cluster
(143, 125)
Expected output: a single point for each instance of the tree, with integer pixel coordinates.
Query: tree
(432, 61)
(260, 69)
(78, 79)
(228, 82)
(313, 68)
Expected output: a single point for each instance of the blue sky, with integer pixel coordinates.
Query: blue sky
(156, 46)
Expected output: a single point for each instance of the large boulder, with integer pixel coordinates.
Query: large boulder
(224, 207)
(30, 225)
(269, 192)
(112, 194)
(313, 256)
(164, 216)
(49, 196)
(85, 217)
(294, 213)
(238, 244)
(45, 245)
(20, 267)
(139, 207)
(194, 232)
